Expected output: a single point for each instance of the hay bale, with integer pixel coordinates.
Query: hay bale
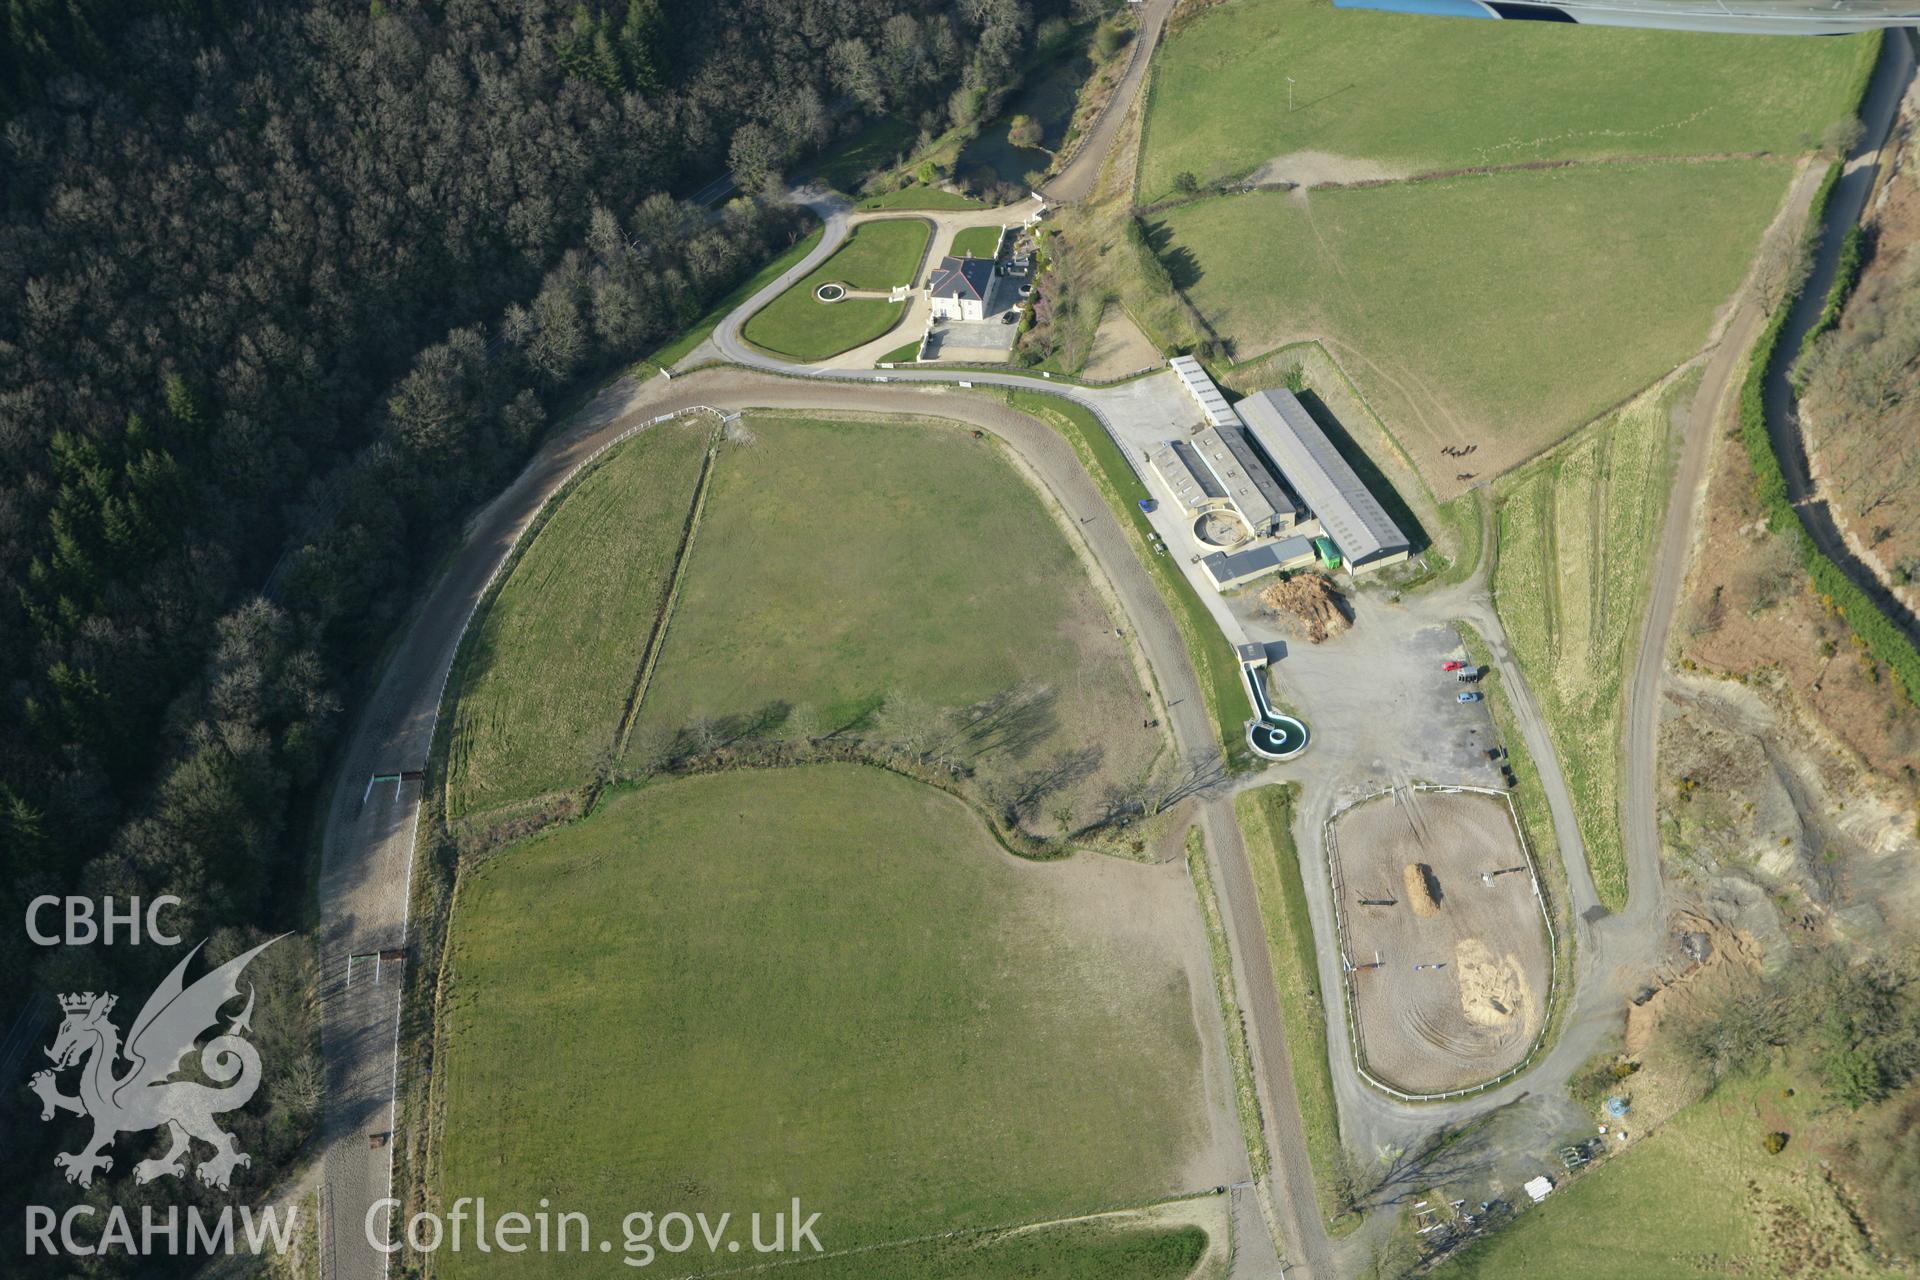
(1420, 888)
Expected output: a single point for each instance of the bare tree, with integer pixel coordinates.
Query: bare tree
(1781, 268)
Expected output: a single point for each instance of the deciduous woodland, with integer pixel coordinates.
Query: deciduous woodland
(285, 289)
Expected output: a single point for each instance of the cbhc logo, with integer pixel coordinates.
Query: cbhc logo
(84, 927)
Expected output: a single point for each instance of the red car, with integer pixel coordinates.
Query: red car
(1452, 664)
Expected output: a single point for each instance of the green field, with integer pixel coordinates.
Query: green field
(876, 256)
(1577, 530)
(549, 663)
(1082, 1251)
(840, 565)
(976, 242)
(1497, 311)
(1696, 1198)
(725, 991)
(1214, 663)
(1266, 823)
(1412, 94)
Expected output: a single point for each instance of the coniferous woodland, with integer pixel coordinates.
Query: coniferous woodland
(285, 289)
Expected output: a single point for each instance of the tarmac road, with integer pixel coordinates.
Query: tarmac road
(1075, 181)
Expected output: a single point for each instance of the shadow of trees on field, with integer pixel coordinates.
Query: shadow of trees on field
(1182, 267)
(1448, 1154)
(1013, 722)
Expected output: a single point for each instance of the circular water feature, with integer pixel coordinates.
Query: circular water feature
(1279, 737)
(830, 292)
(1221, 529)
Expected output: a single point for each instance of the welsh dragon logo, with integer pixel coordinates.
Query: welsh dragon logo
(145, 1096)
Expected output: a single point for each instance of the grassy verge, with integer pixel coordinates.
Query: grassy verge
(1846, 278)
(932, 198)
(1466, 532)
(902, 354)
(1266, 821)
(1577, 534)
(681, 347)
(1246, 1096)
(1536, 819)
(1213, 658)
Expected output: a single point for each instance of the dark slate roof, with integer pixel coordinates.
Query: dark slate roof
(962, 278)
(1231, 566)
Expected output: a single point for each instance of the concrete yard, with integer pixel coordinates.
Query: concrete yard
(1444, 931)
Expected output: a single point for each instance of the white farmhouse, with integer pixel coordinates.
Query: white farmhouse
(960, 287)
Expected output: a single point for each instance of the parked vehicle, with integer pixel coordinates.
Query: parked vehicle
(1494, 753)
(1149, 505)
(1452, 664)
(1472, 695)
(1470, 676)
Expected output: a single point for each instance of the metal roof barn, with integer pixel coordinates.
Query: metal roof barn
(1294, 443)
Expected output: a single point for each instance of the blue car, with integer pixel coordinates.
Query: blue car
(1472, 695)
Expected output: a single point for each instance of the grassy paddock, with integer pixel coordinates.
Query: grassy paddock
(1266, 821)
(842, 564)
(1577, 531)
(549, 664)
(727, 990)
(1598, 282)
(1078, 1251)
(1412, 94)
(1213, 658)
(1536, 823)
(1699, 1197)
